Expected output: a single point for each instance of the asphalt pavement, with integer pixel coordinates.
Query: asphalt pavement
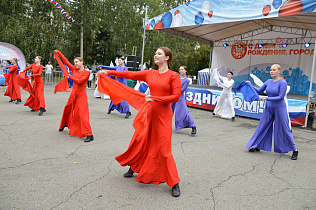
(42, 168)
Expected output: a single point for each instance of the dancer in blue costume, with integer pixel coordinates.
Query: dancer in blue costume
(122, 107)
(183, 118)
(274, 111)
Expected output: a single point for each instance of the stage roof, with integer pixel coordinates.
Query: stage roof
(208, 21)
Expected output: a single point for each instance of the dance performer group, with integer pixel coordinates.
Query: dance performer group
(149, 152)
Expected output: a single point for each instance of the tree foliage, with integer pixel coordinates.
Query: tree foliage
(111, 28)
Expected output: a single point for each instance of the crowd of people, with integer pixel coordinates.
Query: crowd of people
(150, 151)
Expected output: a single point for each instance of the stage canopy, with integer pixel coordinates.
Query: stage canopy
(209, 21)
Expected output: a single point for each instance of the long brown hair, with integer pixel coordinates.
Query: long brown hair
(167, 52)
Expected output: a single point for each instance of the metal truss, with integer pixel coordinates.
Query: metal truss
(307, 35)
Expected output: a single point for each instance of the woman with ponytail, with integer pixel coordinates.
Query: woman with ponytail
(36, 101)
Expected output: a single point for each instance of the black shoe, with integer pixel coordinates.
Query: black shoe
(11, 100)
(42, 110)
(128, 114)
(254, 150)
(129, 174)
(61, 129)
(18, 101)
(109, 112)
(294, 155)
(213, 113)
(193, 130)
(175, 191)
(89, 138)
(233, 119)
(32, 110)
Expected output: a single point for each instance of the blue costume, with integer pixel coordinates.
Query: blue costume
(122, 107)
(274, 111)
(183, 118)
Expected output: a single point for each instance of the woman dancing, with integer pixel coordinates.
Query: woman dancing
(149, 153)
(183, 118)
(275, 112)
(76, 111)
(36, 101)
(225, 105)
(13, 89)
(122, 107)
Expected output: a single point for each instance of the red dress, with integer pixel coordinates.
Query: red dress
(36, 99)
(149, 153)
(76, 111)
(13, 89)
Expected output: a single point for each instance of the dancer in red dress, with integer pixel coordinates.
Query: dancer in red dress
(76, 111)
(149, 153)
(36, 101)
(13, 89)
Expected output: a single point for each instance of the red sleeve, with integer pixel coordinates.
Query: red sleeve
(176, 91)
(135, 75)
(40, 71)
(28, 68)
(13, 68)
(84, 78)
(65, 60)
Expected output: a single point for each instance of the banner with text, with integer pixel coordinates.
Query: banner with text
(207, 99)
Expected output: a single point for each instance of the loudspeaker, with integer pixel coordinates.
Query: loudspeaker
(132, 62)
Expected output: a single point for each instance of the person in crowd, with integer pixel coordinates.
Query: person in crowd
(76, 111)
(183, 118)
(122, 107)
(149, 153)
(36, 100)
(274, 118)
(49, 73)
(90, 77)
(13, 89)
(225, 106)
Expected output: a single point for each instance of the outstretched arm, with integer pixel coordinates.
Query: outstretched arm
(107, 67)
(65, 60)
(262, 88)
(135, 75)
(28, 68)
(219, 76)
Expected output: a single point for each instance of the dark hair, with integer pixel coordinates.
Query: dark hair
(122, 58)
(167, 52)
(231, 72)
(9, 61)
(283, 76)
(185, 68)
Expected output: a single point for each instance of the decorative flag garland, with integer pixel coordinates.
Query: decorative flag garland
(62, 10)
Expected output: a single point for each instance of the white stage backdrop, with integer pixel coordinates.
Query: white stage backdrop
(295, 60)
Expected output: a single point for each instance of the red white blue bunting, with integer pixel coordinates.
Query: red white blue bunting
(62, 10)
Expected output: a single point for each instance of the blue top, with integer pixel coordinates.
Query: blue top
(275, 90)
